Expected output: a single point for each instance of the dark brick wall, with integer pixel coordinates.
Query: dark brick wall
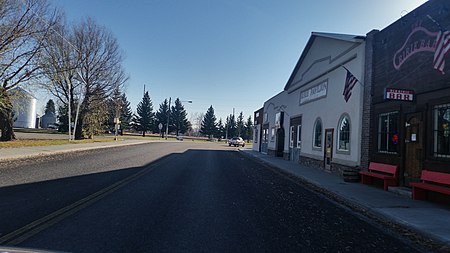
(401, 40)
(366, 115)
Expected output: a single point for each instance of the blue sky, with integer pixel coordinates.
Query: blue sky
(224, 53)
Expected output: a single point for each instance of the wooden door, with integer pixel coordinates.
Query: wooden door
(413, 148)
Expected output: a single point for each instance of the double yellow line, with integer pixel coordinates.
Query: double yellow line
(35, 227)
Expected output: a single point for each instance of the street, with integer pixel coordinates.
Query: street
(173, 197)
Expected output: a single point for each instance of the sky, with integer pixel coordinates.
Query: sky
(225, 53)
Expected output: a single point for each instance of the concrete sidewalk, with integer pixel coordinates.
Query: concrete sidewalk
(28, 152)
(430, 220)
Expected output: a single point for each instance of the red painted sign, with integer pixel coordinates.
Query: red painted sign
(422, 40)
(419, 40)
(398, 94)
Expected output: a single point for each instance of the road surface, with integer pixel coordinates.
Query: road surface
(173, 197)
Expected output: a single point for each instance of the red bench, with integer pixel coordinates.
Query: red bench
(431, 181)
(386, 172)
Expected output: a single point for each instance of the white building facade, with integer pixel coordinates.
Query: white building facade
(310, 121)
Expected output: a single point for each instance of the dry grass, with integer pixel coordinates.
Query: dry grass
(34, 143)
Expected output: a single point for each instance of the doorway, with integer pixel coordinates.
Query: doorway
(328, 151)
(280, 142)
(413, 148)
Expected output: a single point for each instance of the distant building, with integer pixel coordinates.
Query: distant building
(48, 119)
(24, 107)
(257, 127)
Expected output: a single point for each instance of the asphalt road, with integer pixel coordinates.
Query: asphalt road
(173, 197)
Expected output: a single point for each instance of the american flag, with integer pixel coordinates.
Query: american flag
(442, 48)
(350, 82)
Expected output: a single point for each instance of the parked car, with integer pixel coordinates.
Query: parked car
(236, 141)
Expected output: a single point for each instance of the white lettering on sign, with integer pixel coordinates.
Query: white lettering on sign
(313, 93)
(397, 94)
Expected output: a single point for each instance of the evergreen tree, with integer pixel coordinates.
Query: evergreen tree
(161, 117)
(221, 130)
(248, 133)
(94, 120)
(231, 127)
(144, 120)
(63, 118)
(126, 114)
(178, 118)
(209, 126)
(114, 106)
(240, 124)
(50, 107)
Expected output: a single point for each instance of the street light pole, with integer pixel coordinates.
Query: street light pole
(168, 117)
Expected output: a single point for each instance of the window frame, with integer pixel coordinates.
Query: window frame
(318, 120)
(291, 137)
(436, 131)
(388, 131)
(338, 146)
(299, 136)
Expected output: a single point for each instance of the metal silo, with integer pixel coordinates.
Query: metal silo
(24, 107)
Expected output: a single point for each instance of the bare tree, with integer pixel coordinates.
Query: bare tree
(84, 65)
(21, 39)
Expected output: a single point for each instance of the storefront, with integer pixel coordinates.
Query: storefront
(316, 119)
(257, 129)
(410, 92)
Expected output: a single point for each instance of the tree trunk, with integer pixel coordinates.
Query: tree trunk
(143, 133)
(79, 131)
(6, 126)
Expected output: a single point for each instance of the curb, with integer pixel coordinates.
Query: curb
(415, 235)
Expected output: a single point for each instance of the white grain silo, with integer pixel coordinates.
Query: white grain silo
(24, 107)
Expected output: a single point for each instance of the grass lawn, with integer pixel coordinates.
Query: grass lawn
(33, 143)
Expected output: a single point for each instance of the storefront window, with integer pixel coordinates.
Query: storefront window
(388, 132)
(344, 134)
(291, 139)
(318, 134)
(441, 130)
(299, 136)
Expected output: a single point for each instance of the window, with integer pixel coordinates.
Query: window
(318, 134)
(344, 134)
(441, 130)
(388, 132)
(292, 137)
(265, 137)
(256, 135)
(272, 137)
(299, 136)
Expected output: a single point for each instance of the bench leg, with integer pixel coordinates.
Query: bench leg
(419, 194)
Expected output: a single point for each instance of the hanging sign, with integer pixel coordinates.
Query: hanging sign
(398, 94)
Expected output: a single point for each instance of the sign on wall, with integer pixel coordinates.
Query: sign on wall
(399, 94)
(314, 93)
(422, 40)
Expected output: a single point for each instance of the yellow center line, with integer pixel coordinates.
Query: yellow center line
(35, 227)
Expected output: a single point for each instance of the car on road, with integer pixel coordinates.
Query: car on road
(236, 141)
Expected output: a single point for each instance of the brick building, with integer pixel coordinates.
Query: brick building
(407, 93)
